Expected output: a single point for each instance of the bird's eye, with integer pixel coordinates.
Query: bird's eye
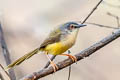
(72, 27)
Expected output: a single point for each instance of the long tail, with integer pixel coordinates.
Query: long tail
(23, 58)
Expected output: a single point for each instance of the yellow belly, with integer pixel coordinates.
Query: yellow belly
(56, 48)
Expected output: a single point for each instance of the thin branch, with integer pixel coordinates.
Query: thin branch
(67, 62)
(92, 11)
(5, 72)
(69, 67)
(100, 25)
(1, 77)
(116, 17)
(6, 53)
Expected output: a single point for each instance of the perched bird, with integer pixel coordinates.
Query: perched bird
(59, 40)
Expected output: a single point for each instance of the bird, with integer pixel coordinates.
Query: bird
(59, 40)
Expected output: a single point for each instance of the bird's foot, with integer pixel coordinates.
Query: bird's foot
(55, 67)
(74, 59)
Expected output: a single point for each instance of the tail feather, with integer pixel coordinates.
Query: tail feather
(20, 60)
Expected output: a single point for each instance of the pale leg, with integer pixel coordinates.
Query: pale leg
(55, 67)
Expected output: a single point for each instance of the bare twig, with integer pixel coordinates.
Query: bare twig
(5, 72)
(92, 11)
(69, 67)
(67, 62)
(1, 77)
(116, 17)
(100, 25)
(6, 53)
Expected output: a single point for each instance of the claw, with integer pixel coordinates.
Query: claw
(55, 67)
(74, 59)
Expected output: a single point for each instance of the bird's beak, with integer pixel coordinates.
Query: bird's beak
(80, 25)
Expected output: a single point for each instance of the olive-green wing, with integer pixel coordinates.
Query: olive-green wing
(52, 38)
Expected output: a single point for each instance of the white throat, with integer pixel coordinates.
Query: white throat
(70, 38)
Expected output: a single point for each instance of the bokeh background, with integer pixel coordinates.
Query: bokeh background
(26, 23)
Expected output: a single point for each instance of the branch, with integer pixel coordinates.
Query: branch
(1, 77)
(6, 53)
(100, 25)
(116, 17)
(4, 72)
(69, 67)
(92, 11)
(67, 62)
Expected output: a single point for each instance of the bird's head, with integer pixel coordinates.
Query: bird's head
(71, 27)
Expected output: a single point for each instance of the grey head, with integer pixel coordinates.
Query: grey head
(71, 26)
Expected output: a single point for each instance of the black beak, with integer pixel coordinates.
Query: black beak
(80, 25)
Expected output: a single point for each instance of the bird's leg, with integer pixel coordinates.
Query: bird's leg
(74, 59)
(55, 67)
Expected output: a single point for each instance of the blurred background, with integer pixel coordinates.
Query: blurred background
(26, 23)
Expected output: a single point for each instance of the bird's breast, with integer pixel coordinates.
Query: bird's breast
(69, 41)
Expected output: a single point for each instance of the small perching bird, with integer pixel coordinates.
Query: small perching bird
(59, 40)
